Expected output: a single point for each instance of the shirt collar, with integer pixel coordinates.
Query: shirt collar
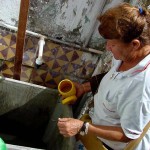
(140, 67)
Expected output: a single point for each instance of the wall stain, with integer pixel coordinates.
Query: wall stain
(75, 11)
(86, 19)
(84, 11)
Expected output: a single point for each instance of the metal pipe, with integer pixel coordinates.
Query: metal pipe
(2, 24)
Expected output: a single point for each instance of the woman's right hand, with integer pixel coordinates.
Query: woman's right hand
(80, 90)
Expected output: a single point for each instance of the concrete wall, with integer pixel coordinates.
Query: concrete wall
(73, 21)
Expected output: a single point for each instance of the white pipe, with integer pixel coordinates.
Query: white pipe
(2, 24)
(41, 43)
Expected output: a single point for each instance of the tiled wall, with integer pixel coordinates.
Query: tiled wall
(60, 61)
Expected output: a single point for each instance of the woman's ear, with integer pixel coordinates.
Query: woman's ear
(136, 44)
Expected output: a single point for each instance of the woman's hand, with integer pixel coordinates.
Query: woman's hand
(69, 127)
(79, 89)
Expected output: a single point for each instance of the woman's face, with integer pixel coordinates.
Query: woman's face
(120, 50)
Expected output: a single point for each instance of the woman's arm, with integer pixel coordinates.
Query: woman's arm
(70, 127)
(91, 85)
(82, 88)
(112, 133)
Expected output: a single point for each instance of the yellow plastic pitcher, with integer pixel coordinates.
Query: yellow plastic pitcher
(67, 89)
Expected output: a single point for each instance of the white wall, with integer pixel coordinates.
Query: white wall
(74, 21)
(9, 11)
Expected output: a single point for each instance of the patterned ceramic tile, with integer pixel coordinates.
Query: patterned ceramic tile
(52, 79)
(30, 51)
(7, 45)
(60, 58)
(59, 61)
(8, 69)
(64, 61)
(44, 78)
(54, 57)
(38, 76)
(1, 64)
(86, 70)
(26, 73)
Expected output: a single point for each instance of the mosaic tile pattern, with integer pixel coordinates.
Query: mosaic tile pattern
(7, 70)
(61, 58)
(7, 45)
(26, 73)
(49, 79)
(59, 61)
(30, 51)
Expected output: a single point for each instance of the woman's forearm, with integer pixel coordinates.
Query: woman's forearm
(109, 132)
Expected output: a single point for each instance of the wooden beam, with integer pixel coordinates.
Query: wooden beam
(23, 16)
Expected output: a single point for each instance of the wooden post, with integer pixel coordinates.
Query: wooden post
(23, 16)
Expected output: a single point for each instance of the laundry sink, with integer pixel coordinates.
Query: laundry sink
(29, 114)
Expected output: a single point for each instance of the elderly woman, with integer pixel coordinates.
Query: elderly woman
(122, 102)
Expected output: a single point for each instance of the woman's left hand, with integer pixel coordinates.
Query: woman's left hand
(69, 127)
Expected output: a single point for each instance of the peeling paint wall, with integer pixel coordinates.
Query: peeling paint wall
(96, 40)
(71, 21)
(140, 2)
